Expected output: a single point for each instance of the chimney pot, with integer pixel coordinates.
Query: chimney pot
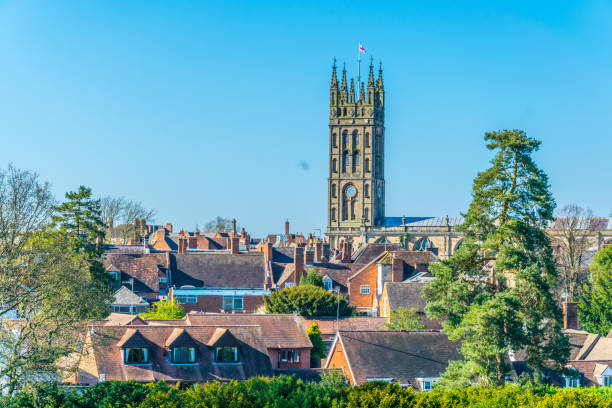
(235, 245)
(298, 261)
(570, 315)
(169, 227)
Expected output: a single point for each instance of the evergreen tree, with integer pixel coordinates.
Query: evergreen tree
(308, 301)
(318, 347)
(595, 305)
(495, 293)
(312, 278)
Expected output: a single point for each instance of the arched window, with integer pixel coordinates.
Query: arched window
(355, 161)
(367, 165)
(334, 142)
(366, 190)
(334, 165)
(423, 245)
(352, 209)
(344, 161)
(355, 138)
(344, 139)
(349, 201)
(367, 140)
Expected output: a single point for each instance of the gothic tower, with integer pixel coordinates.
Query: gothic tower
(356, 183)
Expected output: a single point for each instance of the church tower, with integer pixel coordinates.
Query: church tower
(356, 185)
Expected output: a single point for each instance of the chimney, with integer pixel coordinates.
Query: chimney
(233, 227)
(242, 233)
(182, 245)
(169, 227)
(267, 249)
(318, 251)
(347, 252)
(287, 227)
(235, 245)
(397, 270)
(570, 315)
(298, 261)
(309, 257)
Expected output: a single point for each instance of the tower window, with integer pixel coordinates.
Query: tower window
(355, 138)
(333, 214)
(334, 142)
(366, 189)
(366, 213)
(352, 209)
(344, 161)
(344, 139)
(367, 165)
(355, 161)
(367, 140)
(334, 165)
(333, 190)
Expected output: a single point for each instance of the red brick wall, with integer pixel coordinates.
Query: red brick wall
(214, 304)
(366, 277)
(303, 363)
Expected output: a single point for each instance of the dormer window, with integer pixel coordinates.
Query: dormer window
(427, 384)
(226, 354)
(183, 355)
(136, 355)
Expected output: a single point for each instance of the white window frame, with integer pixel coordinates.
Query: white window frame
(427, 380)
(328, 283)
(364, 290)
(289, 284)
(186, 299)
(569, 381)
(233, 299)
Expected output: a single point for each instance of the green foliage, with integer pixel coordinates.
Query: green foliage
(595, 305)
(308, 301)
(312, 278)
(165, 309)
(284, 391)
(405, 318)
(495, 293)
(318, 347)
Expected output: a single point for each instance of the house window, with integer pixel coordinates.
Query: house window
(183, 355)
(226, 354)
(289, 356)
(572, 382)
(114, 275)
(136, 356)
(364, 289)
(288, 284)
(187, 299)
(427, 384)
(606, 381)
(327, 283)
(162, 280)
(232, 302)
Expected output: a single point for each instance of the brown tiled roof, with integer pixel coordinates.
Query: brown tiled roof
(369, 252)
(400, 355)
(405, 294)
(222, 338)
(124, 249)
(576, 338)
(179, 338)
(281, 331)
(146, 269)
(120, 319)
(328, 325)
(214, 270)
(415, 257)
(133, 338)
(253, 356)
(588, 370)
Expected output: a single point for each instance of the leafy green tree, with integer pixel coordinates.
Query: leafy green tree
(312, 278)
(318, 347)
(308, 301)
(595, 305)
(165, 309)
(495, 293)
(405, 318)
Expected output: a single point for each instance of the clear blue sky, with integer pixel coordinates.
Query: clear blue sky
(209, 108)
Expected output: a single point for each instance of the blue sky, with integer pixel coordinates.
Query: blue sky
(211, 108)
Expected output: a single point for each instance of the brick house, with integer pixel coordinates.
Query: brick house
(196, 349)
(147, 275)
(366, 285)
(411, 358)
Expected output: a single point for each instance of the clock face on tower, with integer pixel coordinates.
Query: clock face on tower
(351, 191)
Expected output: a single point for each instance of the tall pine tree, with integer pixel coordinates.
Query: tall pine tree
(495, 293)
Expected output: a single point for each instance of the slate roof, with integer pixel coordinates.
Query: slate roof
(339, 273)
(254, 360)
(368, 252)
(214, 270)
(405, 294)
(125, 249)
(125, 296)
(403, 356)
(329, 327)
(146, 269)
(423, 222)
(281, 331)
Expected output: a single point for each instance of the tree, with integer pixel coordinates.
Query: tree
(312, 278)
(48, 283)
(572, 232)
(219, 224)
(318, 347)
(595, 305)
(404, 318)
(308, 301)
(129, 214)
(165, 309)
(495, 293)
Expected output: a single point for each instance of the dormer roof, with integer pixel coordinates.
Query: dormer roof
(222, 338)
(132, 338)
(180, 338)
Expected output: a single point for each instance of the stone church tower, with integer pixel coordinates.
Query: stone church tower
(356, 184)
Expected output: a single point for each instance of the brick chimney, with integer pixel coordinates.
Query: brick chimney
(182, 245)
(347, 252)
(397, 270)
(318, 251)
(169, 227)
(570, 315)
(286, 227)
(233, 227)
(235, 245)
(298, 261)
(267, 250)
(309, 257)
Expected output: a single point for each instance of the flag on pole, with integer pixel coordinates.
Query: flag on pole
(361, 49)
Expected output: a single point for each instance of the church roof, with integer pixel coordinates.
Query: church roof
(422, 221)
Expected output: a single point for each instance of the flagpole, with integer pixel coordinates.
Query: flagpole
(358, 69)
